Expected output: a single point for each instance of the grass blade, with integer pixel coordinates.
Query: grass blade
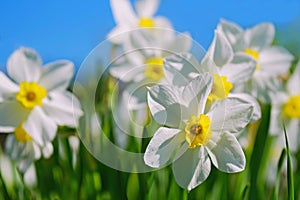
(275, 195)
(290, 177)
(258, 149)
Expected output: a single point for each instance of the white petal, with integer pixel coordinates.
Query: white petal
(7, 87)
(226, 153)
(220, 50)
(196, 92)
(163, 22)
(165, 107)
(231, 30)
(162, 146)
(30, 178)
(264, 86)
(192, 168)
(47, 150)
(63, 108)
(178, 67)
(21, 152)
(118, 34)
(57, 75)
(123, 12)
(24, 65)
(11, 114)
(260, 35)
(294, 81)
(292, 130)
(232, 115)
(275, 60)
(146, 8)
(181, 43)
(250, 99)
(40, 127)
(275, 127)
(125, 71)
(240, 69)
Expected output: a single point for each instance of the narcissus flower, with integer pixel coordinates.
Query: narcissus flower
(271, 61)
(286, 109)
(191, 137)
(36, 100)
(127, 19)
(141, 65)
(229, 70)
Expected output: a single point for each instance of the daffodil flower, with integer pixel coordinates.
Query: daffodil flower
(143, 54)
(24, 153)
(229, 70)
(36, 101)
(194, 136)
(286, 109)
(271, 61)
(139, 67)
(127, 19)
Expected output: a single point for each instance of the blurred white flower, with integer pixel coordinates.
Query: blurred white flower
(193, 135)
(141, 65)
(271, 61)
(127, 19)
(286, 109)
(142, 56)
(37, 99)
(33, 104)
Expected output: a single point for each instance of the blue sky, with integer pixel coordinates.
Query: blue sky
(70, 29)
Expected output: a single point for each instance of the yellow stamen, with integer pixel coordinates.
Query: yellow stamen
(154, 69)
(31, 94)
(221, 88)
(291, 108)
(255, 55)
(197, 131)
(21, 135)
(146, 22)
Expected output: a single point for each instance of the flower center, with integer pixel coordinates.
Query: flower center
(292, 107)
(154, 69)
(197, 131)
(21, 135)
(254, 55)
(220, 89)
(31, 94)
(146, 22)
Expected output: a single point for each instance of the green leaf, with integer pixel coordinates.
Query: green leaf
(258, 150)
(133, 187)
(290, 177)
(275, 194)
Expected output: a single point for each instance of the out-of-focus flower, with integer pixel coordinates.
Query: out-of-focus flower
(35, 103)
(128, 20)
(141, 66)
(271, 61)
(286, 109)
(143, 54)
(193, 135)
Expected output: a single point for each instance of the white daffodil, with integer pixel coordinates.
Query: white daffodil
(195, 137)
(24, 153)
(271, 61)
(36, 101)
(141, 66)
(228, 70)
(286, 109)
(143, 54)
(127, 19)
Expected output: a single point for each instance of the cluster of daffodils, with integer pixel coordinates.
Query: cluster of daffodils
(34, 101)
(201, 104)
